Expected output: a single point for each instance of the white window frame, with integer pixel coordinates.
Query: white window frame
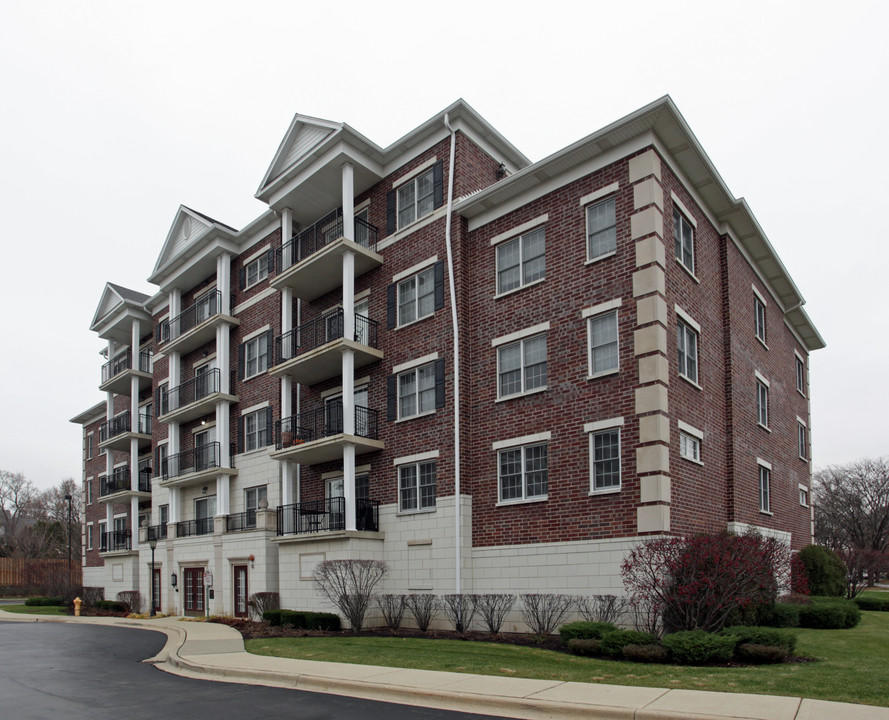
(523, 367)
(417, 486)
(415, 371)
(89, 491)
(802, 439)
(765, 487)
(254, 344)
(762, 401)
(260, 268)
(690, 439)
(686, 229)
(89, 446)
(414, 185)
(89, 536)
(760, 327)
(260, 492)
(685, 330)
(415, 280)
(804, 496)
(520, 242)
(252, 436)
(591, 349)
(613, 227)
(800, 369)
(524, 473)
(600, 429)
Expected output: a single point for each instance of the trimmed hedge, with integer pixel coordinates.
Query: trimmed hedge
(585, 647)
(613, 643)
(751, 634)
(869, 602)
(646, 653)
(827, 614)
(697, 647)
(761, 654)
(42, 601)
(784, 615)
(302, 619)
(585, 630)
(111, 606)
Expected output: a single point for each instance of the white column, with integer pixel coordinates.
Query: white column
(109, 517)
(134, 523)
(348, 362)
(135, 335)
(286, 233)
(224, 282)
(348, 202)
(349, 484)
(222, 495)
(175, 501)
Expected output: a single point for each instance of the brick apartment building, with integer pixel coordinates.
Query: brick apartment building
(492, 374)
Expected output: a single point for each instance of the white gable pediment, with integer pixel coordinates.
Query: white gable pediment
(187, 228)
(110, 300)
(304, 134)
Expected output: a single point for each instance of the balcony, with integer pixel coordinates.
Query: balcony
(241, 521)
(119, 371)
(328, 515)
(119, 485)
(193, 399)
(156, 532)
(312, 352)
(116, 433)
(311, 262)
(195, 466)
(317, 436)
(195, 326)
(115, 541)
(188, 528)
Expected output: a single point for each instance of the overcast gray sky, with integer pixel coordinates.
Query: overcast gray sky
(113, 113)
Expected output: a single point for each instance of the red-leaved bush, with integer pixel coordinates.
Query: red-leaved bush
(696, 583)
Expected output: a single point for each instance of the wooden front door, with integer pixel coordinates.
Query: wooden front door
(193, 579)
(240, 595)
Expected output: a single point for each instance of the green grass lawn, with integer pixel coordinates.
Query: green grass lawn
(853, 665)
(35, 610)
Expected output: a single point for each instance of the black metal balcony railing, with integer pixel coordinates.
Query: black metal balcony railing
(321, 330)
(241, 521)
(120, 482)
(204, 308)
(203, 457)
(157, 532)
(192, 390)
(202, 526)
(326, 515)
(322, 232)
(114, 540)
(323, 422)
(122, 424)
(123, 362)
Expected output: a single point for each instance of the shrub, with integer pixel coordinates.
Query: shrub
(323, 621)
(53, 601)
(761, 654)
(646, 653)
(698, 582)
(132, 599)
(91, 595)
(459, 609)
(542, 613)
(762, 636)
(294, 619)
(870, 602)
(832, 613)
(273, 617)
(698, 647)
(584, 630)
(392, 609)
(784, 615)
(493, 608)
(612, 643)
(35, 601)
(586, 647)
(423, 607)
(825, 571)
(262, 601)
(349, 585)
(600, 608)
(110, 606)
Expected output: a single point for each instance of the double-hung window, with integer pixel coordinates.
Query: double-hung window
(416, 296)
(765, 481)
(416, 486)
(801, 438)
(804, 496)
(800, 375)
(257, 270)
(759, 312)
(687, 347)
(416, 198)
(690, 440)
(521, 366)
(603, 346)
(604, 456)
(522, 473)
(601, 227)
(762, 402)
(256, 430)
(521, 261)
(416, 391)
(252, 498)
(255, 355)
(684, 241)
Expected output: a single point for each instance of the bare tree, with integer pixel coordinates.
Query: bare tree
(601, 608)
(349, 585)
(424, 607)
(460, 609)
(493, 608)
(392, 608)
(543, 613)
(17, 507)
(852, 512)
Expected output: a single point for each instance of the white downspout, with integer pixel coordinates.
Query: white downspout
(457, 519)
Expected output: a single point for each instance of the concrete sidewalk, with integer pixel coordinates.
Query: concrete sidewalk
(212, 651)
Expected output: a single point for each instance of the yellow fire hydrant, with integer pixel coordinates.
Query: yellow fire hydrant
(77, 603)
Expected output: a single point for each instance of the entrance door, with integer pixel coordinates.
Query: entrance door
(194, 590)
(334, 493)
(204, 511)
(240, 590)
(156, 589)
(205, 449)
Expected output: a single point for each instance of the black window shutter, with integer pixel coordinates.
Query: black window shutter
(391, 305)
(391, 212)
(438, 184)
(270, 260)
(392, 398)
(242, 278)
(241, 349)
(241, 434)
(270, 348)
(439, 285)
(269, 425)
(439, 383)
